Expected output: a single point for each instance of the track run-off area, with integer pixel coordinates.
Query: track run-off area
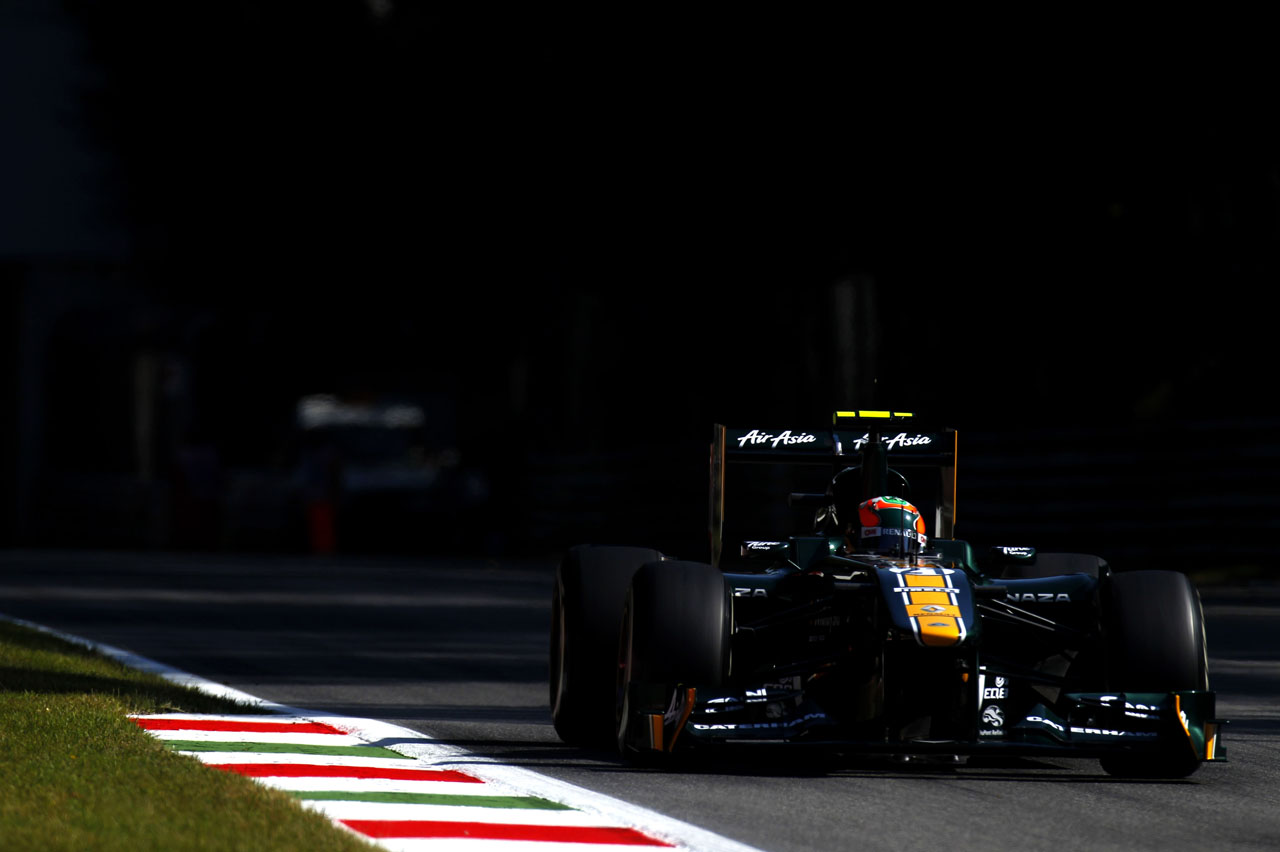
(444, 661)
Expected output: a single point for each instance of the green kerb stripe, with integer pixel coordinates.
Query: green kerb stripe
(286, 748)
(433, 799)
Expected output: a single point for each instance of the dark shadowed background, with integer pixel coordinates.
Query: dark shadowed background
(356, 277)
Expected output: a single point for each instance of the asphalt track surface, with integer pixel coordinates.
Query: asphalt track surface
(457, 649)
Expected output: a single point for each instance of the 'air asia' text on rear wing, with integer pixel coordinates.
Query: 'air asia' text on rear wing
(856, 438)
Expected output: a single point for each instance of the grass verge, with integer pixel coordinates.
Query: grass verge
(75, 773)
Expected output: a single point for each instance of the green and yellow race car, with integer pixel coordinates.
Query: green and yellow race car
(864, 633)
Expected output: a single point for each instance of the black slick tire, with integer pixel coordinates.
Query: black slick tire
(1155, 643)
(586, 614)
(677, 622)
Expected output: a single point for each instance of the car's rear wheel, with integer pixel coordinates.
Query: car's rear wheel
(1155, 643)
(586, 613)
(676, 628)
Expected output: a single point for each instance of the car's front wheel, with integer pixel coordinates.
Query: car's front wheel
(675, 637)
(1154, 626)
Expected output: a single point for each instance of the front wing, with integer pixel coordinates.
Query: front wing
(1085, 724)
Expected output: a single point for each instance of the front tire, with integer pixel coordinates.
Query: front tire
(586, 614)
(1155, 643)
(677, 622)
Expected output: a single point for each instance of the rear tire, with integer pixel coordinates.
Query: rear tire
(586, 614)
(1155, 643)
(676, 628)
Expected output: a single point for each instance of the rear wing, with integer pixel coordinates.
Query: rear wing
(877, 441)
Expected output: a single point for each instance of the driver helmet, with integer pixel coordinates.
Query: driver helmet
(887, 525)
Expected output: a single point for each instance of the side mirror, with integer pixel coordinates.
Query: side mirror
(764, 549)
(1004, 555)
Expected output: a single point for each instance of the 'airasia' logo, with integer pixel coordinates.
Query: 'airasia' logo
(755, 437)
(902, 439)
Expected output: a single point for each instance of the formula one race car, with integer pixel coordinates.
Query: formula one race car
(867, 635)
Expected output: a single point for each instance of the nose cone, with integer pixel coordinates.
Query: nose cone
(932, 603)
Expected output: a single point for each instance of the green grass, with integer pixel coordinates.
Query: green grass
(76, 773)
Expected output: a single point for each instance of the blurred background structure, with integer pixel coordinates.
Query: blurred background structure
(358, 277)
